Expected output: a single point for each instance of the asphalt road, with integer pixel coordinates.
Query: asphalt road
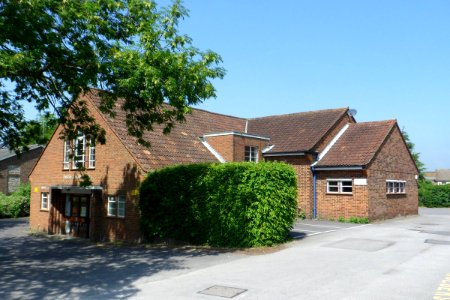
(404, 258)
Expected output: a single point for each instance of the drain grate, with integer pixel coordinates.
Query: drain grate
(447, 233)
(222, 291)
(437, 242)
(360, 244)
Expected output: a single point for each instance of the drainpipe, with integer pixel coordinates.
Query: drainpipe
(314, 192)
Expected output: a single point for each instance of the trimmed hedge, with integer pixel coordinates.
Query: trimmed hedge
(232, 204)
(17, 204)
(431, 195)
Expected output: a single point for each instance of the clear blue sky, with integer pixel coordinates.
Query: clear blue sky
(387, 59)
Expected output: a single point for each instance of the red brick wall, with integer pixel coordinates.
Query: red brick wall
(26, 163)
(223, 144)
(116, 171)
(232, 147)
(333, 206)
(393, 162)
(302, 167)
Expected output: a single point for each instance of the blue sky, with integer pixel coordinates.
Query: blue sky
(387, 59)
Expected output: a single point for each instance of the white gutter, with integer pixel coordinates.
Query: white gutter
(330, 145)
(213, 151)
(285, 154)
(337, 168)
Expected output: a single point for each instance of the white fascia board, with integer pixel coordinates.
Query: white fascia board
(338, 168)
(285, 154)
(331, 144)
(237, 134)
(213, 151)
(267, 149)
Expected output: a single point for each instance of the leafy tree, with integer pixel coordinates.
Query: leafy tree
(41, 130)
(416, 155)
(52, 51)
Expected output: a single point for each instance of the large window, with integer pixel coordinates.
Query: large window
(44, 201)
(78, 155)
(116, 206)
(340, 186)
(251, 153)
(395, 187)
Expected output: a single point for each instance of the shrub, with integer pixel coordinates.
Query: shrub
(434, 195)
(17, 204)
(233, 204)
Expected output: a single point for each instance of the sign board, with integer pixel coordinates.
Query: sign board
(360, 181)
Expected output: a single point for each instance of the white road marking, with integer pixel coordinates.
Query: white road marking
(301, 230)
(321, 232)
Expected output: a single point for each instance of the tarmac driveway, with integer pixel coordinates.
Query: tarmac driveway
(405, 258)
(37, 267)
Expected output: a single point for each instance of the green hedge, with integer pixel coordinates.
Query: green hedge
(434, 195)
(232, 204)
(17, 204)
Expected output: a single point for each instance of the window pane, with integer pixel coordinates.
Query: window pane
(92, 154)
(121, 210)
(347, 189)
(112, 206)
(44, 200)
(347, 183)
(333, 189)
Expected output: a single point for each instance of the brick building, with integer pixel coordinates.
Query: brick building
(14, 170)
(344, 168)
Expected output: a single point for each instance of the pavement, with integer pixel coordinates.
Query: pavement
(403, 258)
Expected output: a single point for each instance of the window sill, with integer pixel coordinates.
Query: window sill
(44, 210)
(337, 193)
(115, 217)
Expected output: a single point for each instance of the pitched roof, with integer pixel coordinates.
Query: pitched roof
(358, 145)
(442, 175)
(299, 132)
(5, 153)
(182, 145)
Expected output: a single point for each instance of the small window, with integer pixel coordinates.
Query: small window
(44, 201)
(116, 206)
(91, 164)
(251, 153)
(340, 186)
(395, 187)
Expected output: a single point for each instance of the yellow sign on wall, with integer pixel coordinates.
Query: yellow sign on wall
(36, 189)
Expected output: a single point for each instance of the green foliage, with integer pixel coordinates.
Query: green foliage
(233, 204)
(431, 195)
(17, 204)
(51, 51)
(356, 220)
(416, 155)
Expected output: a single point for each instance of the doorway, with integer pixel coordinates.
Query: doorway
(77, 215)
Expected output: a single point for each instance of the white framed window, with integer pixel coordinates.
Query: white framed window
(395, 187)
(44, 201)
(79, 151)
(339, 186)
(66, 162)
(251, 153)
(116, 206)
(91, 164)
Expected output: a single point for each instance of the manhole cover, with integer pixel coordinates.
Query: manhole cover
(437, 242)
(360, 244)
(436, 232)
(222, 291)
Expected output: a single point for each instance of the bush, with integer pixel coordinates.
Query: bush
(434, 195)
(233, 204)
(17, 204)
